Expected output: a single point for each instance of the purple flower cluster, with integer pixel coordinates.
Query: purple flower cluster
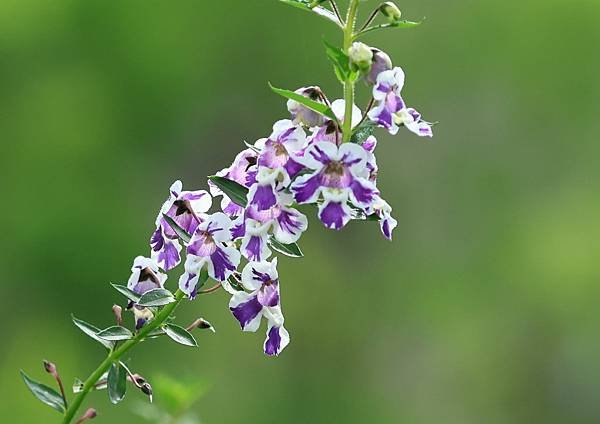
(302, 161)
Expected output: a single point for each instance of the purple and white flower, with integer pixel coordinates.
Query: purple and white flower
(391, 111)
(285, 223)
(209, 247)
(383, 210)
(262, 280)
(242, 171)
(145, 276)
(186, 208)
(280, 150)
(338, 174)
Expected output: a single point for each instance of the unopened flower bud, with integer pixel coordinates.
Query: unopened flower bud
(117, 311)
(89, 414)
(381, 62)
(390, 11)
(50, 368)
(202, 324)
(360, 56)
(146, 388)
(303, 115)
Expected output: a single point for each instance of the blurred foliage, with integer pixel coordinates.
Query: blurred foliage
(483, 309)
(174, 400)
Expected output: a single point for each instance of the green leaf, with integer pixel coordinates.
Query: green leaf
(362, 132)
(181, 233)
(340, 60)
(311, 104)
(180, 335)
(321, 11)
(115, 333)
(156, 297)
(156, 333)
(291, 249)
(117, 383)
(202, 278)
(235, 283)
(235, 191)
(46, 394)
(396, 24)
(92, 331)
(129, 294)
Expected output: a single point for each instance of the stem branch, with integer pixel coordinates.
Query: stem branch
(349, 83)
(117, 353)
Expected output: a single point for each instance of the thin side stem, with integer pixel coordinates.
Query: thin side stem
(367, 109)
(369, 20)
(349, 83)
(336, 11)
(210, 289)
(117, 353)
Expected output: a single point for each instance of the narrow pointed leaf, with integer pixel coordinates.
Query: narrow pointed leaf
(129, 294)
(235, 191)
(117, 383)
(156, 297)
(397, 24)
(311, 104)
(181, 233)
(340, 60)
(91, 331)
(156, 333)
(45, 394)
(115, 333)
(180, 335)
(320, 11)
(291, 249)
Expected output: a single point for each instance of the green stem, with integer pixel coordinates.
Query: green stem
(116, 354)
(349, 83)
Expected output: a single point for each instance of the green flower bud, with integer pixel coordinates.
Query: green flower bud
(361, 56)
(390, 11)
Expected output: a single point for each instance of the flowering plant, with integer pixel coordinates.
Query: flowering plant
(322, 155)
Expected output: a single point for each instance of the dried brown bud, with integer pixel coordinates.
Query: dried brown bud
(118, 312)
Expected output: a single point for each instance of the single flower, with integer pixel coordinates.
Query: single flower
(262, 281)
(390, 111)
(338, 175)
(210, 247)
(186, 209)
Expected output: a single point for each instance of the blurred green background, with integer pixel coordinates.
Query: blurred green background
(483, 309)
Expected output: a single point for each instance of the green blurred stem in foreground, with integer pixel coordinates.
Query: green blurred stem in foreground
(349, 83)
(116, 354)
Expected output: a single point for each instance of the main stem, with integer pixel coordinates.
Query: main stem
(349, 83)
(116, 354)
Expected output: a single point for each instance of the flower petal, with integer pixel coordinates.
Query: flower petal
(223, 262)
(277, 339)
(290, 225)
(334, 215)
(246, 308)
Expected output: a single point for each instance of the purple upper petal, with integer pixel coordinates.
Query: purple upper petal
(268, 294)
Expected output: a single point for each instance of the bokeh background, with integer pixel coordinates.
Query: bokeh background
(483, 309)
